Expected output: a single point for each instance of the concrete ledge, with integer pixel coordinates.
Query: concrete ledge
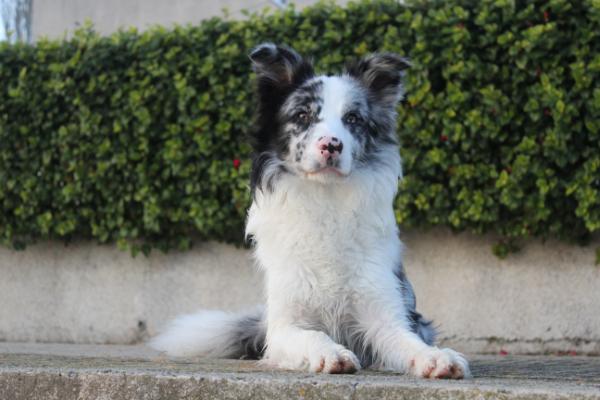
(542, 300)
(66, 372)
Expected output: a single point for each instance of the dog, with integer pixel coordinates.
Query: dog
(324, 176)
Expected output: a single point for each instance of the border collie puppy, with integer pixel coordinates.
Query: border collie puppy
(324, 176)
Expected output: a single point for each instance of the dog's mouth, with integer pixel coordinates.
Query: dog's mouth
(326, 171)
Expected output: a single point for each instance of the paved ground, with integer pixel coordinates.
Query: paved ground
(65, 372)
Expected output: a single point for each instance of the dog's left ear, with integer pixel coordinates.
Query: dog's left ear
(382, 74)
(279, 66)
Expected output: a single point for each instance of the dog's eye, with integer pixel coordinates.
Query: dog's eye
(352, 118)
(303, 117)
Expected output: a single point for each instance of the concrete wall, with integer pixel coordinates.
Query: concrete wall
(53, 18)
(86, 293)
(544, 299)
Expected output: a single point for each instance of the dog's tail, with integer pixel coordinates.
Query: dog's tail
(214, 334)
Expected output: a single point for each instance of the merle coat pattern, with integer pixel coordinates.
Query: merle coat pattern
(324, 176)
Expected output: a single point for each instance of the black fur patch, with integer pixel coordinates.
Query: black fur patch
(259, 176)
(280, 71)
(424, 328)
(251, 334)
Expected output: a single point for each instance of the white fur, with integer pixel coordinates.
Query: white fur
(329, 254)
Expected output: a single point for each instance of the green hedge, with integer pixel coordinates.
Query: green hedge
(138, 138)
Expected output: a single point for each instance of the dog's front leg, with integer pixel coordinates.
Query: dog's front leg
(384, 320)
(290, 347)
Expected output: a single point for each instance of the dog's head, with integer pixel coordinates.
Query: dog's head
(322, 128)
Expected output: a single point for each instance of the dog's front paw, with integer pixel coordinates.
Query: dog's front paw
(440, 363)
(336, 360)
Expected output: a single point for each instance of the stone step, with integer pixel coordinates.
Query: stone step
(82, 372)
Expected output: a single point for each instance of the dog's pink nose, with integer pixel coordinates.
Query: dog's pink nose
(329, 146)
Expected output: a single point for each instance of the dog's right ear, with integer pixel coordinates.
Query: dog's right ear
(278, 66)
(382, 74)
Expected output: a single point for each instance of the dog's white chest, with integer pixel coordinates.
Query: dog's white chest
(320, 238)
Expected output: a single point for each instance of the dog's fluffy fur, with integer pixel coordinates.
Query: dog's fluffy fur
(324, 177)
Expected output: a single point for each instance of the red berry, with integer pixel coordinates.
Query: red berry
(443, 138)
(503, 352)
(236, 163)
(546, 16)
